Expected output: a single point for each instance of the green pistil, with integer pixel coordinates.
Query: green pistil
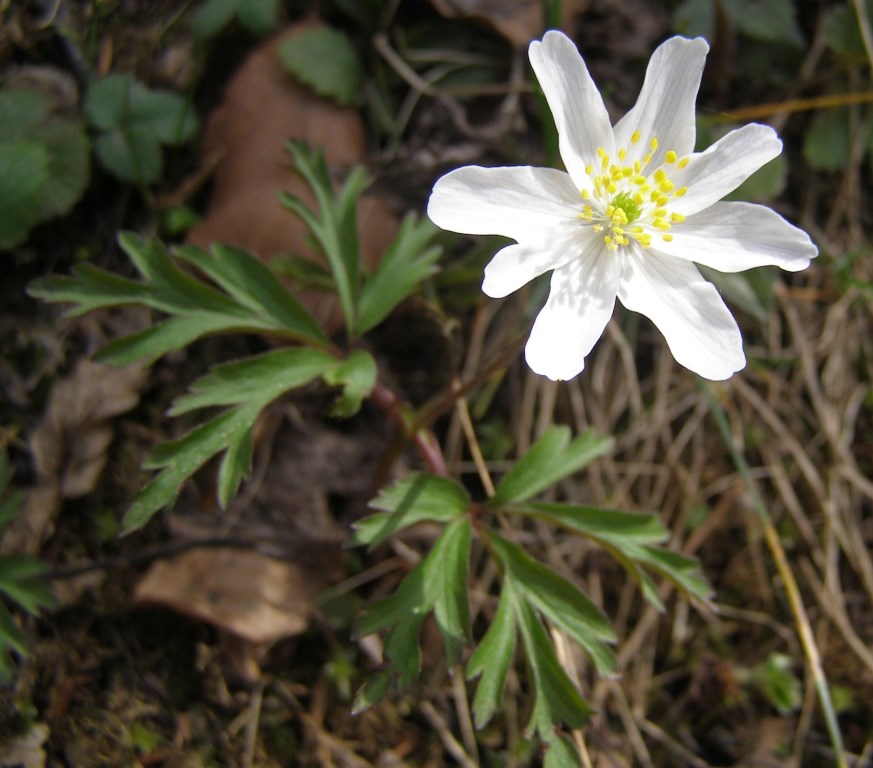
(630, 206)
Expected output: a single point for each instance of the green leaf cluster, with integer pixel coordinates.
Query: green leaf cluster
(260, 17)
(366, 299)
(230, 292)
(134, 123)
(44, 163)
(325, 60)
(199, 293)
(769, 21)
(532, 598)
(19, 581)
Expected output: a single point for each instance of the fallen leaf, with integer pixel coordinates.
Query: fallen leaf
(519, 21)
(69, 445)
(243, 592)
(262, 108)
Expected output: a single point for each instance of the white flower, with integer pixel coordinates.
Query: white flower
(636, 207)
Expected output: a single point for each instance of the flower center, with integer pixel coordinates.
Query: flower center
(631, 193)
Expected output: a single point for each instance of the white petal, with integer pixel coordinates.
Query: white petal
(665, 107)
(580, 304)
(731, 237)
(516, 265)
(580, 115)
(520, 203)
(699, 329)
(712, 174)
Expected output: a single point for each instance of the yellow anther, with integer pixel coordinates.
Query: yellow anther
(683, 162)
(662, 201)
(667, 238)
(677, 217)
(589, 169)
(639, 199)
(639, 180)
(653, 144)
(647, 158)
(660, 175)
(680, 192)
(659, 213)
(645, 240)
(661, 224)
(635, 137)
(666, 186)
(670, 157)
(627, 172)
(637, 167)
(609, 243)
(622, 154)
(585, 193)
(598, 227)
(611, 187)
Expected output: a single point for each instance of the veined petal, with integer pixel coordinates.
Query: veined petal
(699, 329)
(665, 107)
(516, 265)
(712, 174)
(579, 306)
(520, 203)
(580, 115)
(732, 237)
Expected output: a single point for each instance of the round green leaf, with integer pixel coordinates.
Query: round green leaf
(23, 172)
(325, 60)
(132, 156)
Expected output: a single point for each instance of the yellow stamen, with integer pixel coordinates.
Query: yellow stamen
(635, 137)
(683, 162)
(670, 157)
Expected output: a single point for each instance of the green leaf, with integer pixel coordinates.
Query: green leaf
(446, 575)
(371, 692)
(409, 501)
(827, 142)
(248, 386)
(631, 538)
(778, 683)
(253, 285)
(21, 111)
(258, 379)
(766, 20)
(325, 60)
(842, 33)
(136, 121)
(765, 184)
(213, 16)
(559, 601)
(335, 228)
(255, 301)
(10, 635)
(69, 167)
(560, 753)
(556, 699)
(260, 17)
(133, 156)
(552, 458)
(601, 524)
(18, 580)
(438, 583)
(357, 376)
(24, 171)
(492, 660)
(405, 263)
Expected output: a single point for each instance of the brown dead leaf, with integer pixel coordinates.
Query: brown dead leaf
(262, 108)
(519, 21)
(243, 592)
(69, 445)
